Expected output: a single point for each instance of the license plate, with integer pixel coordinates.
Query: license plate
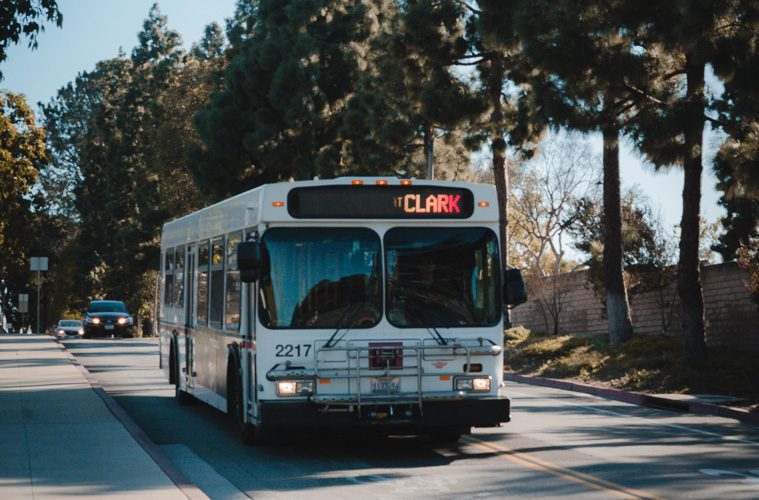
(386, 385)
(109, 327)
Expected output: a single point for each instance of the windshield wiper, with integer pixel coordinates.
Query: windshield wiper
(354, 309)
(437, 336)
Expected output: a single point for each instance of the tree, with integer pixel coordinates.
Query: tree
(22, 18)
(649, 253)
(748, 259)
(592, 78)
(22, 154)
(544, 196)
(120, 132)
(741, 224)
(280, 111)
(512, 118)
(409, 100)
(690, 36)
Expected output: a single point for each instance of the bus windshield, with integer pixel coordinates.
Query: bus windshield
(321, 277)
(442, 277)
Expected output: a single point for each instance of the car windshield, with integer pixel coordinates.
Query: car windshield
(442, 277)
(69, 322)
(107, 306)
(321, 278)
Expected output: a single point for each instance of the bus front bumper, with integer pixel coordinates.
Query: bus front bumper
(479, 412)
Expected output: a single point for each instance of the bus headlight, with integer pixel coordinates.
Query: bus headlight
(295, 387)
(472, 384)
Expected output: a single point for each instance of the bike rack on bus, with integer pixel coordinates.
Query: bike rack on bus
(358, 370)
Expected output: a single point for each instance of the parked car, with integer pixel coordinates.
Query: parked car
(69, 328)
(106, 318)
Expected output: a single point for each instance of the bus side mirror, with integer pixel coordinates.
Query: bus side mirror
(514, 288)
(249, 261)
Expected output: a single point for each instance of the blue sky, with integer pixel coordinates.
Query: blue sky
(94, 30)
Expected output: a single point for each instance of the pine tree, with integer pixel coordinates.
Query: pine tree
(689, 35)
(410, 99)
(281, 108)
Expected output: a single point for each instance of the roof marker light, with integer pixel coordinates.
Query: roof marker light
(278, 203)
(483, 204)
(405, 182)
(381, 182)
(357, 182)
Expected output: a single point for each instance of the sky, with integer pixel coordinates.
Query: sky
(94, 30)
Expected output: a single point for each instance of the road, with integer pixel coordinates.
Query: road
(559, 444)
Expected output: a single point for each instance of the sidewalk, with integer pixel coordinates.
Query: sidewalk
(60, 435)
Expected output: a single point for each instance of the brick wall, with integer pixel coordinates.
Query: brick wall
(732, 318)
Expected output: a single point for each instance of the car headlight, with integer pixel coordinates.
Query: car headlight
(295, 387)
(61, 332)
(81, 331)
(122, 321)
(94, 321)
(472, 384)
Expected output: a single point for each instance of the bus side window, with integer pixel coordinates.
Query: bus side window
(232, 295)
(202, 286)
(179, 277)
(217, 282)
(168, 283)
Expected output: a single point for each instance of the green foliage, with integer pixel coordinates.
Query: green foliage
(22, 155)
(24, 18)
(409, 98)
(284, 95)
(748, 260)
(119, 134)
(650, 364)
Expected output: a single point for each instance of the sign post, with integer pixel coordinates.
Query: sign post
(38, 264)
(23, 306)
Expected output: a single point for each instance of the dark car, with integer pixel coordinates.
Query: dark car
(106, 318)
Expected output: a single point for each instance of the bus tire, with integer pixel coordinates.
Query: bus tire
(172, 362)
(183, 397)
(235, 403)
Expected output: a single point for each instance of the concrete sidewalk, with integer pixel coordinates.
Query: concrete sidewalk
(60, 436)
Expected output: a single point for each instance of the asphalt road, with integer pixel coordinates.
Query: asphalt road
(559, 444)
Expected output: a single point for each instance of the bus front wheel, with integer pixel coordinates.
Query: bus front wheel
(236, 403)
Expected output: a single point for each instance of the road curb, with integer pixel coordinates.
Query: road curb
(637, 398)
(187, 487)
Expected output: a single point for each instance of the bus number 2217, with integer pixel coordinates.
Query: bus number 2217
(292, 351)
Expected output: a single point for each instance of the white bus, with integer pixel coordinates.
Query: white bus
(372, 302)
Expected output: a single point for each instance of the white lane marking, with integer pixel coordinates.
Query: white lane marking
(752, 478)
(618, 414)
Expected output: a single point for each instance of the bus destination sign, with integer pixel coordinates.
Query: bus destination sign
(380, 202)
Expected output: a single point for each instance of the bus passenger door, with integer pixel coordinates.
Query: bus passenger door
(189, 318)
(251, 290)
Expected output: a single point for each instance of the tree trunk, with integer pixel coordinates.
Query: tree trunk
(500, 173)
(688, 269)
(498, 147)
(429, 151)
(617, 305)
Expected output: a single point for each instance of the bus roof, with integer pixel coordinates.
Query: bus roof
(271, 203)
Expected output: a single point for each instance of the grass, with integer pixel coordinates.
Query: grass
(647, 363)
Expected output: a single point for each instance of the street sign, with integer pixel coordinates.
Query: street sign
(23, 303)
(38, 263)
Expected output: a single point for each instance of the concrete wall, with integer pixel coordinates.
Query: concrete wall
(732, 318)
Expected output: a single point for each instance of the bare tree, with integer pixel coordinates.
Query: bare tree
(544, 193)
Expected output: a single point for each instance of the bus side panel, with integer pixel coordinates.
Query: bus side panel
(164, 344)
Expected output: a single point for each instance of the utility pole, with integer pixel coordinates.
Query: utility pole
(3, 292)
(38, 264)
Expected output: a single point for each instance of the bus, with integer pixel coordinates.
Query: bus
(369, 302)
